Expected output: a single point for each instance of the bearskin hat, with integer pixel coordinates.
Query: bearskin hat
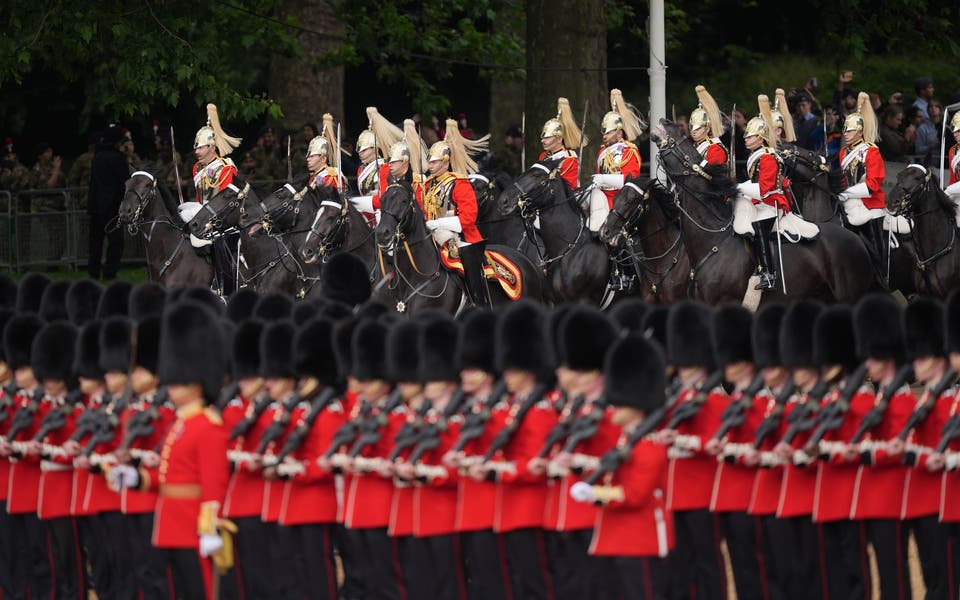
(688, 335)
(203, 295)
(475, 349)
(87, 358)
(732, 327)
(276, 350)
(334, 310)
(520, 339)
(367, 351)
(30, 292)
(52, 352)
(304, 311)
(923, 328)
(951, 320)
(371, 309)
(273, 307)
(402, 358)
(8, 292)
(552, 320)
(5, 315)
(229, 329)
(116, 344)
(437, 348)
(313, 354)
(147, 300)
(765, 336)
(635, 374)
(585, 336)
(629, 314)
(192, 348)
(878, 325)
(834, 341)
(18, 337)
(115, 300)
(53, 303)
(246, 349)
(654, 325)
(797, 343)
(241, 304)
(83, 297)
(147, 351)
(345, 279)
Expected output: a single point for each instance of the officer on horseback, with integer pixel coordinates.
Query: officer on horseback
(319, 158)
(953, 157)
(618, 157)
(373, 177)
(450, 206)
(786, 136)
(559, 137)
(706, 128)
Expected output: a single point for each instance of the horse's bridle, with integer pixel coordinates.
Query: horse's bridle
(133, 226)
(337, 234)
(628, 221)
(529, 205)
(214, 226)
(402, 220)
(669, 146)
(905, 203)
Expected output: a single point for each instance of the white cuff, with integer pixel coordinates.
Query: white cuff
(953, 189)
(857, 191)
(609, 181)
(448, 223)
(363, 203)
(749, 189)
(209, 544)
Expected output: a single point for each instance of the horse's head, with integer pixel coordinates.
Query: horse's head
(278, 211)
(329, 227)
(219, 213)
(803, 166)
(398, 209)
(137, 193)
(629, 205)
(914, 185)
(678, 155)
(533, 190)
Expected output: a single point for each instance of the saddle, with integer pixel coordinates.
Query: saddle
(497, 268)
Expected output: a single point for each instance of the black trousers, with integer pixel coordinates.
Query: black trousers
(65, 556)
(114, 241)
(778, 551)
(8, 552)
(643, 578)
(842, 561)
(149, 580)
(443, 554)
(889, 540)
(932, 544)
(697, 562)
(484, 559)
(348, 548)
(743, 535)
(415, 566)
(527, 563)
(952, 559)
(377, 556)
(575, 573)
(186, 573)
(313, 552)
(104, 541)
(30, 565)
(803, 579)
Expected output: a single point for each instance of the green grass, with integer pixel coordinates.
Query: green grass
(132, 274)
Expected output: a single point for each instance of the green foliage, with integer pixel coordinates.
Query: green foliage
(132, 57)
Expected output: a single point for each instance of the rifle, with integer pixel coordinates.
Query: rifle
(562, 429)
(241, 428)
(802, 417)
(107, 422)
(409, 433)
(950, 432)
(9, 392)
(299, 435)
(687, 410)
(586, 426)
(771, 422)
(57, 418)
(831, 416)
(429, 437)
(348, 431)
(141, 424)
(475, 421)
(23, 418)
(506, 434)
(176, 167)
(612, 460)
(371, 426)
(919, 415)
(736, 412)
(279, 425)
(875, 416)
(227, 394)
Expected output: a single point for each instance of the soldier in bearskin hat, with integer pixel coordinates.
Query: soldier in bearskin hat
(949, 442)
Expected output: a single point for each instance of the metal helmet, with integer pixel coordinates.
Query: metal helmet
(205, 137)
(611, 122)
(439, 151)
(552, 128)
(366, 140)
(955, 122)
(755, 126)
(318, 145)
(853, 122)
(777, 119)
(699, 118)
(399, 151)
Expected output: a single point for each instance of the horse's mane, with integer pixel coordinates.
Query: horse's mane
(166, 196)
(720, 184)
(946, 204)
(660, 195)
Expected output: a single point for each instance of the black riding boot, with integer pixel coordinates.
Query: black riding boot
(761, 247)
(224, 266)
(873, 237)
(473, 258)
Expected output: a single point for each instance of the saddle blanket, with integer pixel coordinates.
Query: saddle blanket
(497, 267)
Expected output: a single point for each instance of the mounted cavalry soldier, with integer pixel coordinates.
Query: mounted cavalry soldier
(953, 157)
(706, 128)
(450, 205)
(618, 157)
(324, 167)
(374, 173)
(786, 136)
(559, 137)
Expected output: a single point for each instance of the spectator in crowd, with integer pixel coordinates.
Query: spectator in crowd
(46, 175)
(925, 90)
(928, 131)
(130, 151)
(271, 162)
(508, 159)
(298, 148)
(465, 129)
(166, 173)
(108, 174)
(834, 141)
(894, 144)
(248, 166)
(79, 174)
(808, 126)
(14, 176)
(684, 124)
(845, 97)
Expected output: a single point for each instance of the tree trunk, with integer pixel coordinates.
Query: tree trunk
(507, 88)
(568, 39)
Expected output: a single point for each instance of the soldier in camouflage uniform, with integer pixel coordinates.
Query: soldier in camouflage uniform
(79, 174)
(13, 175)
(47, 235)
(271, 162)
(166, 173)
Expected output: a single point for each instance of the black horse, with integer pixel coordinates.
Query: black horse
(337, 226)
(918, 197)
(496, 228)
(411, 263)
(148, 208)
(834, 266)
(576, 264)
(811, 184)
(644, 228)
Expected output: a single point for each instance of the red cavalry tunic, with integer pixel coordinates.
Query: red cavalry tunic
(212, 178)
(569, 164)
(764, 169)
(953, 159)
(618, 158)
(712, 151)
(385, 179)
(863, 163)
(452, 191)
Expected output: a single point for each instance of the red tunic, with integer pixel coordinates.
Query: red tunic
(950, 485)
(194, 453)
(23, 492)
(640, 524)
(368, 496)
(385, 182)
(134, 501)
(798, 488)
(733, 484)
(712, 151)
(863, 163)
(764, 169)
(922, 495)
(435, 502)
(4, 428)
(691, 472)
(454, 192)
(765, 495)
(618, 158)
(56, 477)
(569, 164)
(476, 499)
(217, 176)
(245, 488)
(835, 475)
(954, 168)
(327, 176)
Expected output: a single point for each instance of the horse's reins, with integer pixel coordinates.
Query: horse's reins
(906, 207)
(668, 147)
(529, 212)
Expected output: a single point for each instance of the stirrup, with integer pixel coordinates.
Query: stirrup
(768, 281)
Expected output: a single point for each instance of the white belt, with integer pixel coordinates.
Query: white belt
(49, 465)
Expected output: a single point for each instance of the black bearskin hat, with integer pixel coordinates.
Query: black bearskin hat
(371, 309)
(30, 292)
(229, 329)
(304, 311)
(53, 304)
(203, 295)
(521, 339)
(654, 326)
(878, 324)
(834, 342)
(115, 300)
(276, 350)
(765, 337)
(797, 334)
(732, 327)
(368, 352)
(148, 344)
(147, 300)
(87, 358)
(634, 374)
(345, 279)
(334, 310)
(475, 348)
(116, 344)
(192, 348)
(52, 352)
(688, 335)
(402, 358)
(313, 354)
(8, 292)
(246, 349)
(951, 319)
(83, 297)
(552, 319)
(342, 339)
(273, 307)
(5, 315)
(17, 339)
(629, 314)
(585, 336)
(241, 304)
(438, 349)
(923, 328)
